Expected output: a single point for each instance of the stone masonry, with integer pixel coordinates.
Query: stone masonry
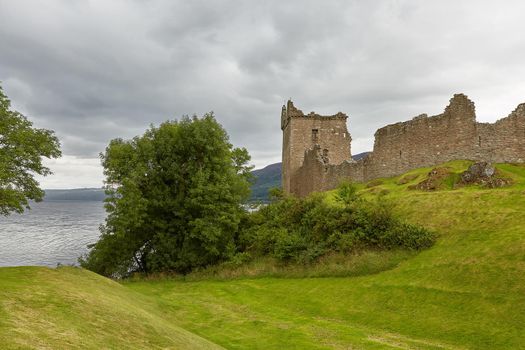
(326, 134)
(316, 149)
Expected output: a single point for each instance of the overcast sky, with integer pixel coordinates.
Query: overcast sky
(97, 70)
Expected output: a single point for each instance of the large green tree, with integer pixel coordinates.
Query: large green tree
(175, 196)
(21, 150)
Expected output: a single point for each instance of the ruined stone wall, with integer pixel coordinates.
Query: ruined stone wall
(303, 132)
(315, 175)
(503, 141)
(424, 141)
(420, 142)
(455, 134)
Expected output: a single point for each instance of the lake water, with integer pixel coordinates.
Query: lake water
(51, 233)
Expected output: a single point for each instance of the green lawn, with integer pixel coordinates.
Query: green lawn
(466, 292)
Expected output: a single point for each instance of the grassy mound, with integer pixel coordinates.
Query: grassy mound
(70, 308)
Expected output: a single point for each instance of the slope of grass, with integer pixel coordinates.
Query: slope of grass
(70, 308)
(466, 292)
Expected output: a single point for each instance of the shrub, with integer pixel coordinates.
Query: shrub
(288, 245)
(346, 193)
(302, 229)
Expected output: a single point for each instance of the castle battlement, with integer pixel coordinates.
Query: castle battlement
(290, 111)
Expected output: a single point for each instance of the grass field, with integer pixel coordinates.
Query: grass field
(466, 292)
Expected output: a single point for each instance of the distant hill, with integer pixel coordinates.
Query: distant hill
(360, 155)
(270, 176)
(77, 194)
(265, 178)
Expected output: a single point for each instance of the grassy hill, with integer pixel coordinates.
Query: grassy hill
(70, 308)
(466, 292)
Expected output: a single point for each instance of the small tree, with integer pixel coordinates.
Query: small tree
(21, 150)
(175, 197)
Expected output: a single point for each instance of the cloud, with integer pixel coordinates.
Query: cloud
(96, 70)
(72, 172)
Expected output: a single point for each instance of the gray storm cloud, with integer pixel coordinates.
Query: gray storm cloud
(96, 70)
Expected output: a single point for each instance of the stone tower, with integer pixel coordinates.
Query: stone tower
(327, 134)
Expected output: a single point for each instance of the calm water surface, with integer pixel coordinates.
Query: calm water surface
(51, 233)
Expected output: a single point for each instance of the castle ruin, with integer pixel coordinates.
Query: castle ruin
(316, 149)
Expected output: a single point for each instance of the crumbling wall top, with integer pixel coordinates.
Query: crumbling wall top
(292, 111)
(462, 105)
(519, 111)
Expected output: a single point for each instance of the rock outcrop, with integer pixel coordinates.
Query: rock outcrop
(484, 174)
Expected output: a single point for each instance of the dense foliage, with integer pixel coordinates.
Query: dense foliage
(174, 199)
(300, 230)
(21, 150)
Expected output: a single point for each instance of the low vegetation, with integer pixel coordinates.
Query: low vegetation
(302, 230)
(360, 263)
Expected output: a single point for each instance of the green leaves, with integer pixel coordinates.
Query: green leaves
(21, 150)
(302, 229)
(175, 197)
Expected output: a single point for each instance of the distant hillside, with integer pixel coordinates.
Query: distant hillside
(265, 178)
(77, 194)
(270, 176)
(360, 155)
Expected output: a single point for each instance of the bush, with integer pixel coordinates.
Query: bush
(288, 245)
(301, 230)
